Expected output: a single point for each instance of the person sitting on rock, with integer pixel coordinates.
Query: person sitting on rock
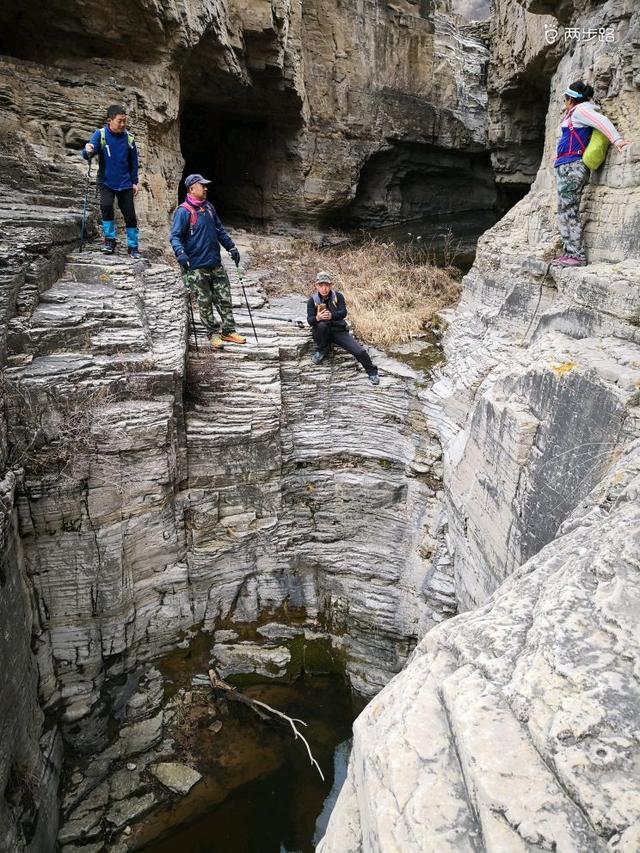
(196, 236)
(117, 177)
(326, 312)
(580, 118)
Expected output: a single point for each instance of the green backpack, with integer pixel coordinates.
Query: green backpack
(596, 151)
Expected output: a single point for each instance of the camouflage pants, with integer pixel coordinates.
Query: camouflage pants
(212, 288)
(571, 179)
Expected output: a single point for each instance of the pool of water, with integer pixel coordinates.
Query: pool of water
(444, 240)
(286, 805)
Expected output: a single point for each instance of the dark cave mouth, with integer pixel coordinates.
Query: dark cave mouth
(433, 202)
(243, 154)
(412, 181)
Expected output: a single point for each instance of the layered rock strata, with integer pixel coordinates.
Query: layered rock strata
(514, 726)
(143, 515)
(281, 105)
(157, 520)
(95, 371)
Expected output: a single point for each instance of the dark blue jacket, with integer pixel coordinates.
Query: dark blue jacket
(201, 243)
(336, 304)
(118, 159)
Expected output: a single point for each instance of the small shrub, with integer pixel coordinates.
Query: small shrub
(51, 432)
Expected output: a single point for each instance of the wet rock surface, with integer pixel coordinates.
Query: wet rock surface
(177, 777)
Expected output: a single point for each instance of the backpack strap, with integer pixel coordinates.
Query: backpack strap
(318, 299)
(193, 214)
(573, 135)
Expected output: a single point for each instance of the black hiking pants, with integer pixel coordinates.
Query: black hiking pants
(125, 203)
(324, 336)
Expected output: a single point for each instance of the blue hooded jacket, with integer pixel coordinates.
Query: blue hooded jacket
(200, 242)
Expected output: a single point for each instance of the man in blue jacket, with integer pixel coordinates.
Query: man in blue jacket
(196, 236)
(117, 177)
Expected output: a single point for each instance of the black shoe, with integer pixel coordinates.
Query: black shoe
(374, 379)
(135, 254)
(108, 247)
(318, 356)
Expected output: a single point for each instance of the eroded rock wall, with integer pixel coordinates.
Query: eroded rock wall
(137, 523)
(30, 754)
(282, 105)
(513, 725)
(539, 357)
(383, 79)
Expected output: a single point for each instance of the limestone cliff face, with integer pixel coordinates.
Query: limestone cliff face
(30, 756)
(139, 513)
(144, 514)
(133, 521)
(282, 106)
(513, 725)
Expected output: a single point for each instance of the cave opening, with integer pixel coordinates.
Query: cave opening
(243, 143)
(234, 152)
(413, 191)
(411, 181)
(518, 119)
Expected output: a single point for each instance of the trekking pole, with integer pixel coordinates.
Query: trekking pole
(193, 323)
(297, 323)
(247, 301)
(85, 206)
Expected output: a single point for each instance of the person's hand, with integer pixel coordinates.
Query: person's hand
(622, 144)
(185, 263)
(325, 314)
(235, 255)
(89, 149)
(136, 188)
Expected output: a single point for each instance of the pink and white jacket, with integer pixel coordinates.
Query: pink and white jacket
(577, 125)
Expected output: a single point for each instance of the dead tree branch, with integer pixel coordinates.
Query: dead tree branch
(218, 684)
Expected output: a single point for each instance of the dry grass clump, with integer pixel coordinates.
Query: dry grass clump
(389, 299)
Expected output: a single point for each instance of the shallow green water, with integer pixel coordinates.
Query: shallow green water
(278, 812)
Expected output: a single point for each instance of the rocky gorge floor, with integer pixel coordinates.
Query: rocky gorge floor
(161, 495)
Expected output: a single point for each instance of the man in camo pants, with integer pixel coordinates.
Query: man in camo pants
(196, 236)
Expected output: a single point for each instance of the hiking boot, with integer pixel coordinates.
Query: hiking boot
(108, 247)
(318, 356)
(374, 379)
(135, 254)
(559, 259)
(569, 261)
(216, 342)
(234, 338)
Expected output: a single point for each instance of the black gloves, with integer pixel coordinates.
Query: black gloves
(184, 262)
(235, 255)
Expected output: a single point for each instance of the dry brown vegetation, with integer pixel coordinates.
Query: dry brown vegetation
(390, 299)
